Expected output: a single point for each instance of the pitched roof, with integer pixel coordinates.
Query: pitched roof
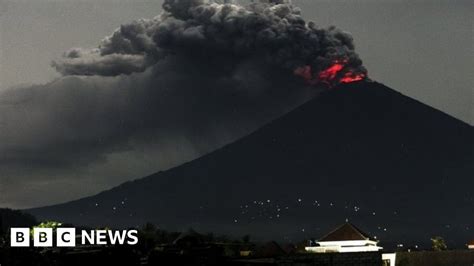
(270, 249)
(190, 234)
(345, 232)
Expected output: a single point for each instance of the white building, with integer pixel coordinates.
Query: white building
(345, 238)
(470, 245)
(348, 238)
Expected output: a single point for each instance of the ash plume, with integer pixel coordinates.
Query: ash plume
(162, 91)
(272, 32)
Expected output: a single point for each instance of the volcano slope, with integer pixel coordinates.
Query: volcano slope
(362, 151)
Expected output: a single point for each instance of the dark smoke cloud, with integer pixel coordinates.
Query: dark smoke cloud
(273, 31)
(156, 93)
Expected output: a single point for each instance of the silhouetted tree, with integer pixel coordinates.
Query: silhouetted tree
(148, 237)
(14, 218)
(438, 243)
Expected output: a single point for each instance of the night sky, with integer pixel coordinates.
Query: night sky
(65, 137)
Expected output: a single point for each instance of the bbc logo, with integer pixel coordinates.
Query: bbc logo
(43, 237)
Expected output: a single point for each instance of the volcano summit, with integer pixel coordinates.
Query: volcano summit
(360, 151)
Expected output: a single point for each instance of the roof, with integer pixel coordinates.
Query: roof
(190, 235)
(345, 232)
(270, 249)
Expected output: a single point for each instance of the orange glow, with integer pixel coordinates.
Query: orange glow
(352, 79)
(330, 73)
(330, 76)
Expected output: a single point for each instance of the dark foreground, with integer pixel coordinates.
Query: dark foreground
(219, 254)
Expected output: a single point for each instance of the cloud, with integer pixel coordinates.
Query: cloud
(74, 63)
(273, 31)
(69, 130)
(159, 92)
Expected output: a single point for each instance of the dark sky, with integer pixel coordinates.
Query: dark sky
(421, 48)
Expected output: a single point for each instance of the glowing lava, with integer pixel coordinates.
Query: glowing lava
(330, 73)
(330, 76)
(350, 77)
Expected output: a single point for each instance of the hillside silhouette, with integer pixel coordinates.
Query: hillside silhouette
(361, 151)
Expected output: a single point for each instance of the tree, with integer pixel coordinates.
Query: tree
(14, 218)
(46, 224)
(148, 236)
(438, 243)
(149, 228)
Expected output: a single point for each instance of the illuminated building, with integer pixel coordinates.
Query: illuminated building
(345, 238)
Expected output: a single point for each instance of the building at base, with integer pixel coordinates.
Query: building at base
(470, 245)
(345, 238)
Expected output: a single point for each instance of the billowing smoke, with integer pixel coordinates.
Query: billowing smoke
(160, 92)
(273, 33)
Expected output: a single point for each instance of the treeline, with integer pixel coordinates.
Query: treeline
(15, 218)
(151, 236)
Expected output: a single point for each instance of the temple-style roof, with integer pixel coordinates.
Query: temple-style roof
(345, 232)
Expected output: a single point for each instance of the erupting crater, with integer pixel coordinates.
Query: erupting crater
(335, 74)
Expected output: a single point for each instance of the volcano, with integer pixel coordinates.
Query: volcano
(360, 152)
